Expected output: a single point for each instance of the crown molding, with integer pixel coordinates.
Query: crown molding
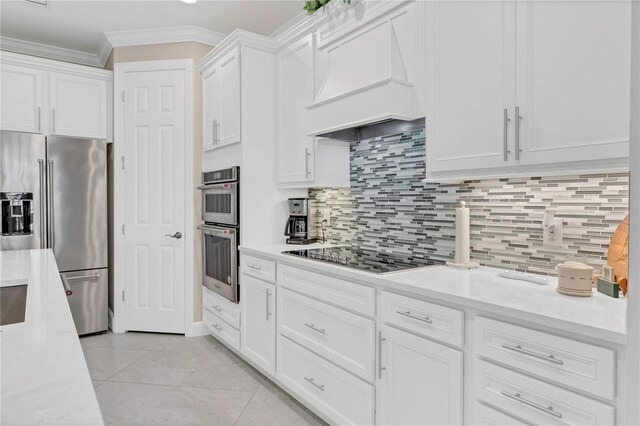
(163, 35)
(57, 53)
(239, 38)
(54, 65)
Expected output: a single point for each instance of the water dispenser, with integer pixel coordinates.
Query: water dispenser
(17, 213)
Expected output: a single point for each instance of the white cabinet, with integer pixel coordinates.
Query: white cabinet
(78, 106)
(573, 80)
(420, 381)
(470, 84)
(295, 92)
(22, 99)
(56, 98)
(304, 160)
(512, 89)
(259, 322)
(221, 101)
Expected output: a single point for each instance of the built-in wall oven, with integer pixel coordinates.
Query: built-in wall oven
(220, 231)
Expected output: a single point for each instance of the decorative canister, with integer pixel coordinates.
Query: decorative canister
(574, 279)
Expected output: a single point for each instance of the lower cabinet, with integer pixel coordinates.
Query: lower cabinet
(419, 381)
(258, 301)
(342, 397)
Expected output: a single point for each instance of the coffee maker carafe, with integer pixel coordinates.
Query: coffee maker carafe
(300, 227)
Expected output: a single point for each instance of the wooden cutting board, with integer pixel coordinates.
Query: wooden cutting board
(618, 255)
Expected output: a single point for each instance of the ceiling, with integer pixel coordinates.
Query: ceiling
(79, 24)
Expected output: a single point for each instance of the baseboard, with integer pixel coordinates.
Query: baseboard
(196, 329)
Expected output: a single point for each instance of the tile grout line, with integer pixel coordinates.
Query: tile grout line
(245, 407)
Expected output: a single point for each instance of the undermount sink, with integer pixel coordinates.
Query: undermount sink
(13, 301)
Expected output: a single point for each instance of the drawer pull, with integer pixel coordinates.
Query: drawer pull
(217, 327)
(380, 367)
(313, 327)
(254, 267)
(414, 316)
(313, 382)
(523, 351)
(517, 397)
(217, 308)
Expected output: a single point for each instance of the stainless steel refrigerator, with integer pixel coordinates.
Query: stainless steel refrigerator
(53, 194)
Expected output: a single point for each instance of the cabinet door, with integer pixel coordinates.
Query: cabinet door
(470, 84)
(295, 93)
(420, 381)
(22, 99)
(78, 106)
(229, 95)
(573, 76)
(258, 322)
(210, 108)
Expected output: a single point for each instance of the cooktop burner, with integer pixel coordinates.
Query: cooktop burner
(366, 260)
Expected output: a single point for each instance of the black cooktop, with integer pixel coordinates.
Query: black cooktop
(365, 260)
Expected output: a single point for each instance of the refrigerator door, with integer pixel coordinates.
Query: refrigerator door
(77, 177)
(88, 299)
(22, 170)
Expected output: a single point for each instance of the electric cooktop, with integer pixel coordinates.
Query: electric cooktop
(365, 260)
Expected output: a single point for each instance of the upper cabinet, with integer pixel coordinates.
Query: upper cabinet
(513, 90)
(50, 97)
(78, 106)
(221, 101)
(22, 98)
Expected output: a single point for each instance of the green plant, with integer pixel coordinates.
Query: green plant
(312, 5)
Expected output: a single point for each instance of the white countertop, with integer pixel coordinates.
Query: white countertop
(45, 379)
(598, 316)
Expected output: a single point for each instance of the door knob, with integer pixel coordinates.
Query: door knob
(177, 235)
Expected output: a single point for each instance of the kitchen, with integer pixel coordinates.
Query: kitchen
(458, 215)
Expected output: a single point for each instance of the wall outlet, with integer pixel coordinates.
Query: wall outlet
(552, 235)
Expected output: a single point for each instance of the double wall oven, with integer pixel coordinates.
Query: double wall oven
(220, 231)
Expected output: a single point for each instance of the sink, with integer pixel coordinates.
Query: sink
(13, 301)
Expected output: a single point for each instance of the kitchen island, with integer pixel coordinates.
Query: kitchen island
(44, 376)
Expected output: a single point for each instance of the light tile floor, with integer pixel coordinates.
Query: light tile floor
(149, 379)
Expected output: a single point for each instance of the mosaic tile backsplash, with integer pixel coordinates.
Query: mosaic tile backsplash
(388, 207)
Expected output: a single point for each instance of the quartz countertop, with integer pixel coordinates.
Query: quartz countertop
(45, 379)
(598, 316)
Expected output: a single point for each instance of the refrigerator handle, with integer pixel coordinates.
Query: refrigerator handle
(43, 203)
(50, 204)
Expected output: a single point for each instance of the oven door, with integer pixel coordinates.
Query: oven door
(220, 203)
(220, 260)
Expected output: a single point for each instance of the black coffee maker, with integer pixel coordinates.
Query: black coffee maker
(300, 227)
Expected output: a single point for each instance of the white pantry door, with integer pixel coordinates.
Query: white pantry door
(154, 151)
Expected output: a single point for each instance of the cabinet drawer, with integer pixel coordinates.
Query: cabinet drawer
(342, 337)
(221, 307)
(258, 267)
(341, 396)
(434, 321)
(221, 329)
(483, 415)
(579, 365)
(535, 401)
(355, 297)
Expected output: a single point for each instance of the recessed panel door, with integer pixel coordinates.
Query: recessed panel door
(154, 146)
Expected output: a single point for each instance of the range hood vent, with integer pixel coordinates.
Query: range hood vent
(375, 130)
(368, 77)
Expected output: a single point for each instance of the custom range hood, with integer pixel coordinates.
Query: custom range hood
(372, 75)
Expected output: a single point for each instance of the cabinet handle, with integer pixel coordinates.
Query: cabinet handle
(216, 326)
(268, 296)
(313, 382)
(380, 367)
(307, 154)
(505, 136)
(213, 132)
(39, 120)
(518, 118)
(53, 121)
(313, 327)
(414, 316)
(254, 267)
(517, 397)
(520, 349)
(217, 308)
